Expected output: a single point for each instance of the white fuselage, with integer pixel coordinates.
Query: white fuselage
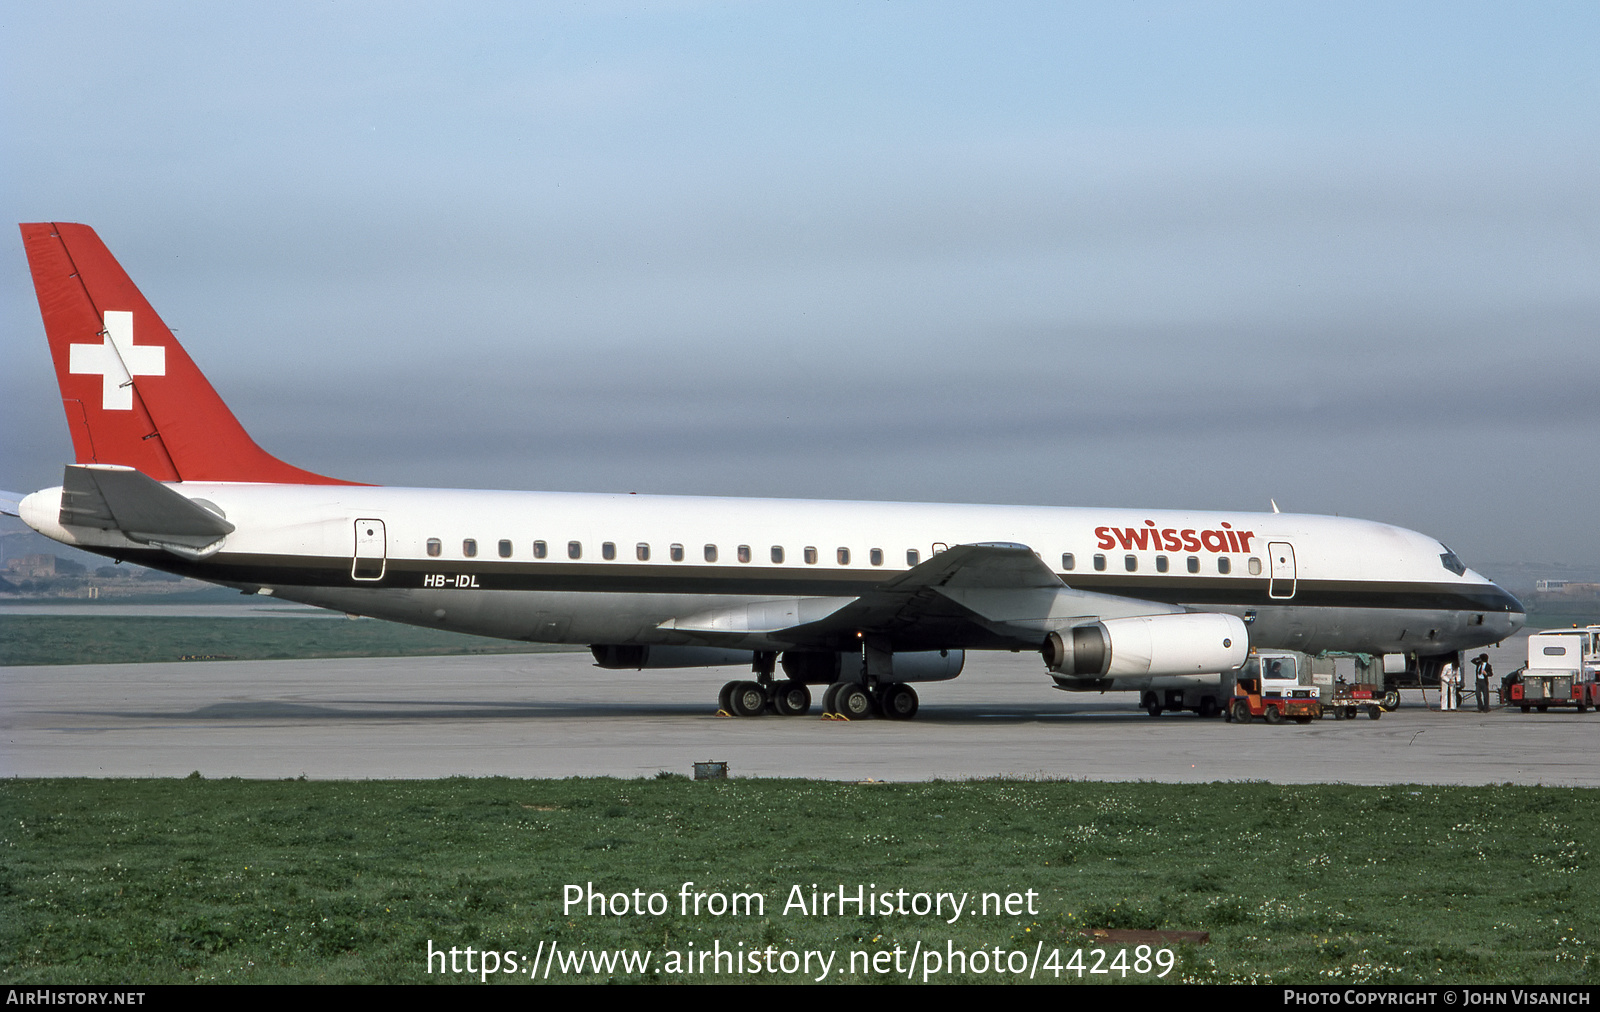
(619, 568)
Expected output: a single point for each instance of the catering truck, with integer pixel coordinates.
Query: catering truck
(1563, 670)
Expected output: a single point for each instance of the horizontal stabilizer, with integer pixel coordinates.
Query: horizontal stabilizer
(115, 498)
(11, 503)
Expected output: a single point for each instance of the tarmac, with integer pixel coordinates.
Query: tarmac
(556, 715)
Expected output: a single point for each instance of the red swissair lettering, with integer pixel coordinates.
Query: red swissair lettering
(1170, 539)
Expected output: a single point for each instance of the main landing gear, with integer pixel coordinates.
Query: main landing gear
(852, 700)
(895, 701)
(751, 699)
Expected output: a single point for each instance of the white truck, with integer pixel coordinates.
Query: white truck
(1563, 670)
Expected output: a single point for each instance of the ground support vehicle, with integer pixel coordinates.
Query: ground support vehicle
(1563, 670)
(1347, 700)
(1269, 686)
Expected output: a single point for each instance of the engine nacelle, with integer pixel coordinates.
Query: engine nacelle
(822, 667)
(640, 656)
(1187, 644)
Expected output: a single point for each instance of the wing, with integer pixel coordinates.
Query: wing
(995, 596)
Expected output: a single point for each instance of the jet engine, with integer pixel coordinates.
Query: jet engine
(1149, 645)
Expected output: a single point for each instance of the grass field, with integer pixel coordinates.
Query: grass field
(116, 639)
(134, 881)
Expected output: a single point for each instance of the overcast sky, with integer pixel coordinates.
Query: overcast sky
(1170, 255)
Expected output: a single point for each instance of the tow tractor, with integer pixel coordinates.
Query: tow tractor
(1563, 670)
(1268, 686)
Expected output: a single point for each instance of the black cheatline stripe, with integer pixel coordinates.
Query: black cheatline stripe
(650, 578)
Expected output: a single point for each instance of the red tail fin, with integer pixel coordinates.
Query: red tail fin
(133, 396)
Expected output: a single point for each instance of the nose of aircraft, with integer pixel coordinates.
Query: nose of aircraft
(1513, 618)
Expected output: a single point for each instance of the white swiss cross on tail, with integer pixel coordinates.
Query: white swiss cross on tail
(118, 360)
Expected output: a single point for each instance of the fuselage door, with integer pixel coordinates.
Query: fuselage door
(1281, 557)
(371, 551)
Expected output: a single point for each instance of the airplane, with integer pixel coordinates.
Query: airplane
(866, 599)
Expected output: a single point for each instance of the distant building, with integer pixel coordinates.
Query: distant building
(32, 566)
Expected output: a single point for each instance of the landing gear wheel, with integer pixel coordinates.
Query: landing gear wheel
(791, 699)
(1391, 700)
(725, 697)
(748, 699)
(1272, 715)
(1241, 712)
(830, 697)
(899, 701)
(853, 701)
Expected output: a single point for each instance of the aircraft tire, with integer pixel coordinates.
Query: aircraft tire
(830, 697)
(899, 701)
(725, 697)
(748, 699)
(853, 701)
(1272, 715)
(791, 699)
(1241, 712)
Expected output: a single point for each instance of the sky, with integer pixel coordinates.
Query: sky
(1171, 255)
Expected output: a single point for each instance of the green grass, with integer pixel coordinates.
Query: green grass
(141, 881)
(117, 639)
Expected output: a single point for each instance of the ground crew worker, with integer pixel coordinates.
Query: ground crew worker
(1483, 672)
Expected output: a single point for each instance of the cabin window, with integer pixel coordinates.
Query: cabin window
(1255, 566)
(875, 556)
(435, 546)
(1067, 561)
(811, 555)
(1224, 565)
(676, 551)
(1194, 564)
(912, 557)
(1161, 563)
(469, 548)
(641, 551)
(1130, 563)
(608, 551)
(505, 549)
(844, 556)
(711, 553)
(574, 549)
(744, 553)
(1099, 563)
(777, 553)
(540, 549)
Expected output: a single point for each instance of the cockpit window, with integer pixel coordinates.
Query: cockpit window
(1451, 562)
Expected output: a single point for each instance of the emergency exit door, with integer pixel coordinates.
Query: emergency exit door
(1281, 559)
(371, 554)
